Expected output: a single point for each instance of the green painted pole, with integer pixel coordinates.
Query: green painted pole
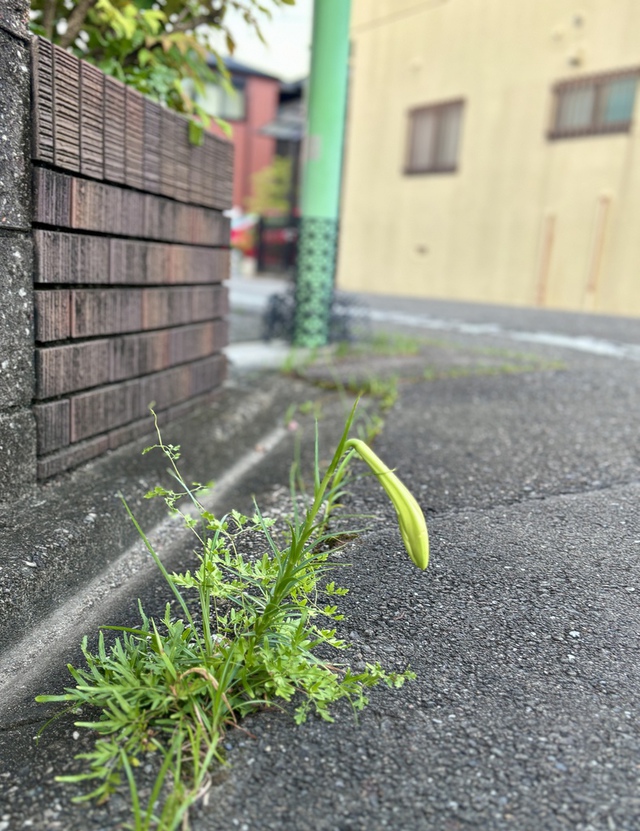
(322, 170)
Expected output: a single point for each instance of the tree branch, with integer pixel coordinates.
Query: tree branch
(76, 21)
(49, 17)
(188, 24)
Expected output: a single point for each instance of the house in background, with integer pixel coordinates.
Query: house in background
(492, 153)
(254, 105)
(266, 117)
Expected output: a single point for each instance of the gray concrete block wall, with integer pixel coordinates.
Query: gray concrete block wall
(17, 424)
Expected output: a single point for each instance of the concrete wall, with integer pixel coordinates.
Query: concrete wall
(17, 426)
(524, 220)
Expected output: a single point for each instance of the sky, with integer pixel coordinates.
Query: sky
(288, 36)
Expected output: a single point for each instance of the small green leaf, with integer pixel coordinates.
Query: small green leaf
(196, 133)
(226, 128)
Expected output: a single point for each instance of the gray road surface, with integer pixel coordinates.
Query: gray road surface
(524, 631)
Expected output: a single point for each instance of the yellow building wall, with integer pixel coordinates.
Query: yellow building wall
(524, 220)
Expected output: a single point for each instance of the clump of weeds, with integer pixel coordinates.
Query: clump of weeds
(382, 344)
(251, 631)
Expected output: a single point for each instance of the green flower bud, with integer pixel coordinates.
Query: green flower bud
(413, 527)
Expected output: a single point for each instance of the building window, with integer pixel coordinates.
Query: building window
(596, 105)
(434, 136)
(218, 101)
(221, 103)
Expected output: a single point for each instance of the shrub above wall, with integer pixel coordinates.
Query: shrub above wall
(131, 250)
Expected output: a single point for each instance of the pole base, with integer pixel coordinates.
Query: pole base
(315, 277)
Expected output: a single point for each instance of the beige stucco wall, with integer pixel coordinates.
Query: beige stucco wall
(524, 220)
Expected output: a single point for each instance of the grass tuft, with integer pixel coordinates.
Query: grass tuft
(250, 632)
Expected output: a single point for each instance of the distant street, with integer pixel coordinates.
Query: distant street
(588, 333)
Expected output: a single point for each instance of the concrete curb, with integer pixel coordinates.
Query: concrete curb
(73, 533)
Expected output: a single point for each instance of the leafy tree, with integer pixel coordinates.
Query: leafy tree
(152, 45)
(271, 188)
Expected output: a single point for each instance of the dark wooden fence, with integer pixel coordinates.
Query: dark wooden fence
(131, 248)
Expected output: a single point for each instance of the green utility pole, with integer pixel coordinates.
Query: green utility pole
(322, 169)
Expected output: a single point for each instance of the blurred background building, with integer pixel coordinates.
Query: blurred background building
(491, 152)
(265, 121)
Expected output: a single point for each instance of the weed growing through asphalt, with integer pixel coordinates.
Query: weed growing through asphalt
(257, 634)
(383, 344)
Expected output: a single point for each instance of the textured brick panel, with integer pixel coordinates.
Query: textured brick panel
(66, 117)
(73, 367)
(142, 226)
(168, 160)
(197, 224)
(155, 308)
(115, 222)
(91, 121)
(132, 214)
(185, 222)
(72, 457)
(154, 351)
(42, 61)
(70, 258)
(224, 170)
(220, 335)
(223, 264)
(52, 202)
(159, 263)
(89, 206)
(168, 213)
(212, 228)
(125, 357)
(105, 312)
(188, 343)
(166, 388)
(209, 171)
(152, 217)
(52, 315)
(135, 355)
(196, 175)
(166, 307)
(123, 435)
(224, 230)
(205, 265)
(182, 153)
(172, 221)
(208, 374)
(52, 425)
(134, 143)
(152, 146)
(128, 262)
(114, 129)
(208, 302)
(102, 410)
(176, 256)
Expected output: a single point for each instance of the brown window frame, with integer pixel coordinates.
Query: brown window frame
(596, 127)
(438, 109)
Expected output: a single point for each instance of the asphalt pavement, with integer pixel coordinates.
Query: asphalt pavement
(524, 453)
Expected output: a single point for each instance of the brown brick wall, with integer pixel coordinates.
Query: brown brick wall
(131, 251)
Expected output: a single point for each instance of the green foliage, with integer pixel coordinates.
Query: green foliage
(271, 189)
(384, 344)
(152, 45)
(246, 634)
